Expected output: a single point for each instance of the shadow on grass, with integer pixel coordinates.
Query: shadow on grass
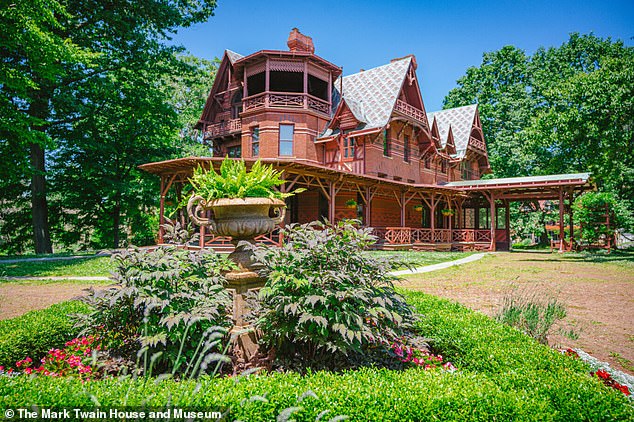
(599, 257)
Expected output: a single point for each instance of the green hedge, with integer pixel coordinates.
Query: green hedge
(36, 332)
(502, 375)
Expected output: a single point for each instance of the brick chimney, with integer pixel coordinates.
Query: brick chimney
(300, 42)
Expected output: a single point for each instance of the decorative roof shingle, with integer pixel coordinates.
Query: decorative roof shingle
(371, 94)
(460, 120)
(233, 56)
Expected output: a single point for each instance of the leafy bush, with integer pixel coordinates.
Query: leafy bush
(35, 332)
(324, 297)
(591, 210)
(234, 181)
(531, 312)
(165, 309)
(504, 375)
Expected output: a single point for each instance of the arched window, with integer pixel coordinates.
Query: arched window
(236, 105)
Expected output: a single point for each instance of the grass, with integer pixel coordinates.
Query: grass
(420, 258)
(101, 266)
(502, 375)
(89, 266)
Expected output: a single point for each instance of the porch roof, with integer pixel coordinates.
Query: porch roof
(574, 179)
(185, 166)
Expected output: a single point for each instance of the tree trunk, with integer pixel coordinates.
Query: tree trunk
(39, 205)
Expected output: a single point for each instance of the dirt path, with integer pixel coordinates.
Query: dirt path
(599, 297)
(19, 298)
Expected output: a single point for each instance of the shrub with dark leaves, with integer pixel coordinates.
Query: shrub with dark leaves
(324, 298)
(166, 310)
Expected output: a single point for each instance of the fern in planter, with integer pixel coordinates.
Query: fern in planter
(234, 181)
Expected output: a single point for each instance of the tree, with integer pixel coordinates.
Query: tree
(66, 50)
(500, 87)
(35, 59)
(136, 118)
(562, 110)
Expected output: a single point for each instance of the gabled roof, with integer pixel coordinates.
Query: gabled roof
(371, 94)
(460, 120)
(233, 56)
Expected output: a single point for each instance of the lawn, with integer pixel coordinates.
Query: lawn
(88, 266)
(419, 258)
(597, 289)
(502, 375)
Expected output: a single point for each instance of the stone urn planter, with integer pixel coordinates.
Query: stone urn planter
(243, 219)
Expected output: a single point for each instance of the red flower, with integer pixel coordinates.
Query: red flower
(603, 374)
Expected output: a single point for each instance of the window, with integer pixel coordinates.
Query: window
(236, 105)
(484, 222)
(443, 166)
(467, 173)
(255, 142)
(348, 148)
(286, 139)
(387, 144)
(427, 162)
(234, 152)
(501, 218)
(406, 149)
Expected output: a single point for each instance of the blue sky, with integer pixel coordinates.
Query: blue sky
(445, 37)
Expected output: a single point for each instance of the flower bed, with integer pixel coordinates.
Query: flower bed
(502, 375)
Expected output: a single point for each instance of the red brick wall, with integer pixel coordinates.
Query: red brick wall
(385, 212)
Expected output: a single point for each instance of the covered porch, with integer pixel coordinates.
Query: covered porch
(455, 216)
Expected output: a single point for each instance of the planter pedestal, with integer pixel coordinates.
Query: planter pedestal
(243, 220)
(244, 337)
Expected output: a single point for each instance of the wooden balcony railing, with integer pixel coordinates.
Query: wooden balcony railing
(477, 143)
(285, 100)
(410, 111)
(223, 128)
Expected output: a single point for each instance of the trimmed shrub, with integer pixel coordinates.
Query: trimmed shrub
(503, 375)
(35, 333)
(324, 298)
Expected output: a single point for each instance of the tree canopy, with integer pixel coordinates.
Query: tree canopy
(561, 110)
(88, 91)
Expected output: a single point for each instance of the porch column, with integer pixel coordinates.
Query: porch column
(492, 219)
(402, 209)
(201, 237)
(507, 222)
(561, 221)
(161, 210)
(368, 206)
(432, 217)
(331, 201)
(572, 226)
(267, 83)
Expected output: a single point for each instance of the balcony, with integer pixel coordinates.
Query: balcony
(225, 128)
(412, 112)
(285, 100)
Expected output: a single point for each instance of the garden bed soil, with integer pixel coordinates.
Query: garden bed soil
(599, 297)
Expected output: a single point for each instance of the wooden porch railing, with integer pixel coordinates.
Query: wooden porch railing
(471, 235)
(409, 235)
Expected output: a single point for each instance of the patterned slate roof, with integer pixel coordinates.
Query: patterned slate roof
(460, 120)
(233, 56)
(371, 94)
